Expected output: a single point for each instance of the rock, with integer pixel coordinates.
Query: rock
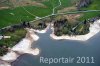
(94, 19)
(83, 3)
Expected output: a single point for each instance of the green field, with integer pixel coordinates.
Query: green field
(16, 15)
(94, 6)
(15, 38)
(21, 15)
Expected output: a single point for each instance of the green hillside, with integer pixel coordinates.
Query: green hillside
(94, 6)
(18, 14)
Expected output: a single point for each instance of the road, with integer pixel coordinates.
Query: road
(56, 7)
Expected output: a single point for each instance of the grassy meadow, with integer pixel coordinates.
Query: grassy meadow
(18, 14)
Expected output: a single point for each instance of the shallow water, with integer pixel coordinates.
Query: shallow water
(64, 48)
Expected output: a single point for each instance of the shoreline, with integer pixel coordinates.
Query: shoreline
(24, 46)
(94, 29)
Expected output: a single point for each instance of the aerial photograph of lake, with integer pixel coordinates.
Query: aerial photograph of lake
(49, 33)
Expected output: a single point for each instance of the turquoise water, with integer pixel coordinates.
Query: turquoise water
(64, 48)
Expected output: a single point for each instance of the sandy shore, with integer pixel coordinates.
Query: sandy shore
(1, 37)
(24, 46)
(94, 29)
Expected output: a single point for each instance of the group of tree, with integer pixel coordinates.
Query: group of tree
(41, 25)
(3, 50)
(63, 27)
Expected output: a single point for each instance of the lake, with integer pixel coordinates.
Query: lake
(50, 48)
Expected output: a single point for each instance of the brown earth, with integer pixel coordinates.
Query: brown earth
(27, 2)
(73, 17)
(16, 3)
(4, 7)
(67, 9)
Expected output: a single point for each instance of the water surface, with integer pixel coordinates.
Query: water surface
(63, 48)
